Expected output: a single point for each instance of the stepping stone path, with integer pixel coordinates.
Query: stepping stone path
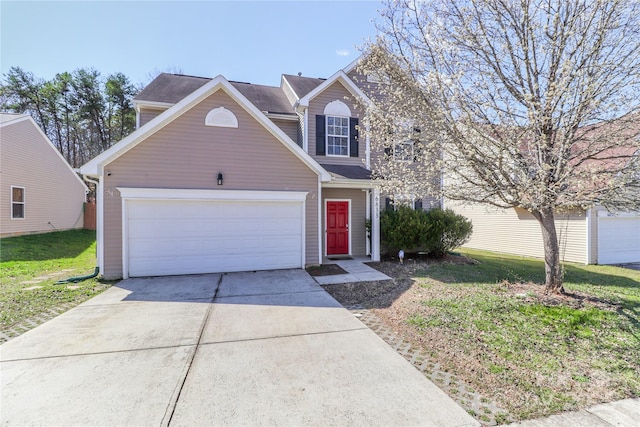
(484, 410)
(27, 324)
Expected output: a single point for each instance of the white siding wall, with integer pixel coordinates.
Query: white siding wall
(54, 195)
(516, 231)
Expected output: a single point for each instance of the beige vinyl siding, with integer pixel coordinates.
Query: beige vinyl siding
(186, 154)
(516, 231)
(290, 127)
(358, 199)
(316, 107)
(148, 114)
(53, 193)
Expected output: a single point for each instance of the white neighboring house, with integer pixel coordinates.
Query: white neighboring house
(591, 236)
(594, 236)
(39, 191)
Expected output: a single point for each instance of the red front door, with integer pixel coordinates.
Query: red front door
(337, 228)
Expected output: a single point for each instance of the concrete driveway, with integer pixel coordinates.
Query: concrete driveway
(265, 348)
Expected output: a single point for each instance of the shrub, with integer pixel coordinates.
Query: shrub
(403, 228)
(435, 232)
(448, 231)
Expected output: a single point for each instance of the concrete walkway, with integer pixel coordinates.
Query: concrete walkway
(623, 413)
(266, 348)
(357, 271)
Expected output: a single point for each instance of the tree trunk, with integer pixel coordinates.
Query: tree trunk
(552, 268)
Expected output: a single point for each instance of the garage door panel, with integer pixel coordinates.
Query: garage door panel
(618, 239)
(166, 237)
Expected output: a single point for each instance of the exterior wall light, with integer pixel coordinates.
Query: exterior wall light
(219, 178)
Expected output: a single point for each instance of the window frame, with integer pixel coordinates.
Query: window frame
(346, 137)
(397, 200)
(20, 203)
(410, 158)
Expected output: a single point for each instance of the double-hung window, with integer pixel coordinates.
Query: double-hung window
(403, 151)
(337, 136)
(17, 202)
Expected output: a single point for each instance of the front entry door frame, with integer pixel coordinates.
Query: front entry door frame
(326, 202)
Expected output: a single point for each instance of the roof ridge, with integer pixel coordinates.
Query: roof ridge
(304, 77)
(189, 75)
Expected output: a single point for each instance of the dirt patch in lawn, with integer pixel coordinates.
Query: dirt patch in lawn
(381, 294)
(325, 270)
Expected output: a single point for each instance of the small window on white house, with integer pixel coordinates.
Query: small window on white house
(337, 136)
(403, 151)
(17, 202)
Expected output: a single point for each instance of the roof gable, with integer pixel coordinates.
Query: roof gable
(7, 120)
(8, 117)
(302, 85)
(96, 165)
(341, 77)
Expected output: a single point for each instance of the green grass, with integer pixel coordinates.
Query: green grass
(26, 258)
(554, 354)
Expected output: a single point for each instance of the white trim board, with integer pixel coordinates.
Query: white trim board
(196, 194)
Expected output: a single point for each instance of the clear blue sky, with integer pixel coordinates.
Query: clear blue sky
(253, 41)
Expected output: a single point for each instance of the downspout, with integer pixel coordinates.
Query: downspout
(98, 221)
(367, 146)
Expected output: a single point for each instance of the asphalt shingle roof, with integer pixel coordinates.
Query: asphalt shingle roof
(267, 98)
(347, 172)
(303, 85)
(172, 88)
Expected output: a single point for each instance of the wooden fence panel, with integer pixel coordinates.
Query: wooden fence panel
(90, 216)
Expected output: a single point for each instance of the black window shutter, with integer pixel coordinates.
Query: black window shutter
(388, 151)
(320, 135)
(417, 150)
(388, 204)
(418, 204)
(353, 139)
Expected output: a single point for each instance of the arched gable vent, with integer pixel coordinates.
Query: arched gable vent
(221, 117)
(337, 108)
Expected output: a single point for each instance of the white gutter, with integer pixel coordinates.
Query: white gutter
(99, 221)
(589, 235)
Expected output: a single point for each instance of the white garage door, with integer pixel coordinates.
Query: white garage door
(169, 237)
(618, 238)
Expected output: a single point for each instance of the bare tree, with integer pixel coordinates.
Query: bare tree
(531, 104)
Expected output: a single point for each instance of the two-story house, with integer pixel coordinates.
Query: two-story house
(227, 176)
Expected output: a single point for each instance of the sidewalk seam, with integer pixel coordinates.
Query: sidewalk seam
(173, 403)
(364, 328)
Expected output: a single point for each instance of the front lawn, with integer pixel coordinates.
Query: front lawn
(489, 322)
(30, 266)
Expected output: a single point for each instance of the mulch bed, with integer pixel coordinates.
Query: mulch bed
(326, 270)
